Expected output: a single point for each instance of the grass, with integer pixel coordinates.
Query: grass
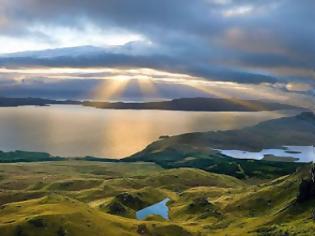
(99, 198)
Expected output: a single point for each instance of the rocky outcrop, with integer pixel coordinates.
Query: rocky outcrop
(129, 200)
(202, 207)
(307, 187)
(306, 191)
(117, 208)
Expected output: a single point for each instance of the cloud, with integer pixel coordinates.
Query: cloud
(238, 11)
(243, 41)
(299, 87)
(97, 57)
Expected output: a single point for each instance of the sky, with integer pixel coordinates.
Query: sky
(153, 50)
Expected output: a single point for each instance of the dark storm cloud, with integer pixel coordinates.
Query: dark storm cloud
(83, 89)
(215, 39)
(160, 62)
(134, 14)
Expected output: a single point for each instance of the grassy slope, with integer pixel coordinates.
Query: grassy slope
(73, 198)
(196, 149)
(58, 198)
(58, 215)
(212, 161)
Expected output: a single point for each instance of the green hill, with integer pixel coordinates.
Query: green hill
(72, 198)
(201, 203)
(197, 149)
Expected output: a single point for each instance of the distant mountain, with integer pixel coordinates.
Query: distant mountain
(13, 102)
(23, 156)
(195, 104)
(197, 149)
(181, 104)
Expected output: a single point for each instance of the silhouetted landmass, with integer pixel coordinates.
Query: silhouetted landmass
(13, 102)
(195, 104)
(100, 159)
(23, 156)
(181, 104)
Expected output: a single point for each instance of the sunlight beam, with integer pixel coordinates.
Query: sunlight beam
(110, 89)
(212, 92)
(147, 87)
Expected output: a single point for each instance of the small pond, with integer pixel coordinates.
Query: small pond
(159, 208)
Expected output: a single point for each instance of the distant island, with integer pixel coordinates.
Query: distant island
(180, 104)
(14, 102)
(195, 104)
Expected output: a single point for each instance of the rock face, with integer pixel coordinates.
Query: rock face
(307, 188)
(123, 204)
(200, 203)
(306, 191)
(204, 208)
(143, 230)
(131, 201)
(117, 208)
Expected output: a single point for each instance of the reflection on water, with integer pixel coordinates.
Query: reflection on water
(78, 131)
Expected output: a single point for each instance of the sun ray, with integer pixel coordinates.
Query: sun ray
(110, 89)
(211, 91)
(147, 87)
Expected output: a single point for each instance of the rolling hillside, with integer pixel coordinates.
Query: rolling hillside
(94, 198)
(197, 149)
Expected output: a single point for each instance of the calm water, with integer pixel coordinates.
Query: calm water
(159, 208)
(68, 130)
(302, 153)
